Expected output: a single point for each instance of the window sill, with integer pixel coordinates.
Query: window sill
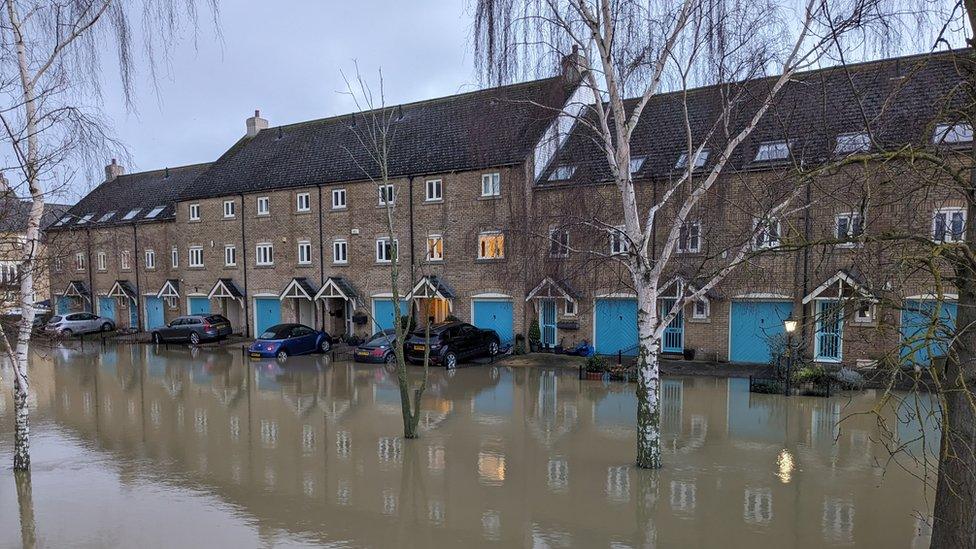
(230, 267)
(490, 197)
(193, 221)
(339, 209)
(229, 218)
(435, 201)
(346, 264)
(303, 212)
(196, 267)
(270, 266)
(700, 320)
(304, 266)
(490, 260)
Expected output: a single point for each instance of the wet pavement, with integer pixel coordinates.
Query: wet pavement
(139, 447)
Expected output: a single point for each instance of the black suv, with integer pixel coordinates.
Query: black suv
(450, 342)
(194, 328)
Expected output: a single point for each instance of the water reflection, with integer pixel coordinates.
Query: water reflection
(312, 452)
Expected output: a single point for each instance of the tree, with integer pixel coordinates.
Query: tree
(635, 49)
(52, 53)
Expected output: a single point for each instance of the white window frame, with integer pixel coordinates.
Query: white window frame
(386, 194)
(194, 212)
(562, 249)
(700, 160)
(230, 255)
(174, 257)
(570, 307)
(869, 317)
(340, 245)
(305, 247)
(264, 205)
(618, 241)
(849, 217)
(381, 246)
(125, 260)
(948, 213)
(303, 202)
(483, 234)
(766, 149)
(701, 315)
(853, 142)
(562, 173)
(636, 163)
(952, 134)
(80, 261)
(491, 184)
(194, 253)
(434, 190)
(230, 209)
(430, 257)
(101, 262)
(687, 248)
(58, 264)
(264, 254)
(767, 243)
(336, 195)
(150, 257)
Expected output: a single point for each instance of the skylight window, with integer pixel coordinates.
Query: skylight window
(155, 211)
(852, 142)
(682, 162)
(61, 221)
(773, 150)
(131, 214)
(106, 217)
(960, 132)
(562, 173)
(86, 219)
(636, 164)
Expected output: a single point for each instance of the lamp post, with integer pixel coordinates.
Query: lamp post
(790, 325)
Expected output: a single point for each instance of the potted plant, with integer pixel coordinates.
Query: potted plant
(535, 337)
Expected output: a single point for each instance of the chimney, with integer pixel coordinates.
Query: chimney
(572, 66)
(4, 186)
(256, 124)
(113, 170)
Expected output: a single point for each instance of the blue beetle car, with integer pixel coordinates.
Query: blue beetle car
(283, 340)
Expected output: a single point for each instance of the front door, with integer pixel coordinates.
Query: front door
(547, 322)
(267, 313)
(106, 307)
(155, 317)
(674, 334)
(830, 326)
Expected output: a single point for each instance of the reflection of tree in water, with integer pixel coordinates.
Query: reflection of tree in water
(25, 501)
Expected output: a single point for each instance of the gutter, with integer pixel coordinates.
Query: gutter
(247, 294)
(135, 239)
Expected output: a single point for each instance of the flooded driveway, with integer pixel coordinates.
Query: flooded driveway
(136, 447)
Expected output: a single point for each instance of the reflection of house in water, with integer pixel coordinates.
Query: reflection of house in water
(754, 417)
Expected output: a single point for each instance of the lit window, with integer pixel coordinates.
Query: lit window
(772, 150)
(230, 255)
(700, 309)
(131, 214)
(953, 133)
(435, 190)
(562, 173)
(618, 241)
(767, 234)
(150, 259)
(491, 245)
(949, 225)
(570, 307)
(100, 261)
(86, 219)
(338, 199)
(852, 142)
(264, 205)
(106, 217)
(700, 160)
(80, 261)
(304, 252)
(174, 257)
(386, 250)
(491, 184)
(194, 212)
(435, 248)
(230, 208)
(387, 194)
(195, 257)
(264, 254)
(847, 227)
(636, 164)
(558, 243)
(864, 313)
(340, 249)
(303, 202)
(157, 210)
(689, 237)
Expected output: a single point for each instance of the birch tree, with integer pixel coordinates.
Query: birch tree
(633, 49)
(52, 55)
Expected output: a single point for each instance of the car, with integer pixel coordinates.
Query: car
(193, 329)
(283, 340)
(78, 323)
(379, 348)
(450, 343)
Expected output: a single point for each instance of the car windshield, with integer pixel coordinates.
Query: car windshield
(54, 320)
(380, 339)
(216, 318)
(277, 332)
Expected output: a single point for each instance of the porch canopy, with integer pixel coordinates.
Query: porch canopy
(298, 288)
(77, 288)
(550, 288)
(170, 289)
(337, 287)
(225, 288)
(123, 289)
(429, 287)
(840, 286)
(675, 288)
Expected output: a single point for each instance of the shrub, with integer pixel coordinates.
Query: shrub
(849, 379)
(535, 334)
(767, 387)
(811, 373)
(596, 364)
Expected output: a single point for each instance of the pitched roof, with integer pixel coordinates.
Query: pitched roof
(898, 99)
(492, 127)
(142, 191)
(15, 212)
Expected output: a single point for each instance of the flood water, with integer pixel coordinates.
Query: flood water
(137, 447)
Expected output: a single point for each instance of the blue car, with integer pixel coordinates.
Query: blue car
(283, 340)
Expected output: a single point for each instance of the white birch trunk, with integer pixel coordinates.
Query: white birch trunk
(648, 377)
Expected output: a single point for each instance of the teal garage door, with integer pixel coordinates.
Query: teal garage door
(64, 305)
(924, 332)
(199, 306)
(106, 307)
(615, 326)
(383, 313)
(494, 314)
(267, 313)
(756, 328)
(155, 317)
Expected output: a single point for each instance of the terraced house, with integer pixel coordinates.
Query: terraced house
(504, 213)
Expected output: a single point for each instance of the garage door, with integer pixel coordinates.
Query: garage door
(199, 306)
(64, 305)
(383, 313)
(267, 313)
(154, 313)
(756, 328)
(494, 315)
(917, 319)
(615, 326)
(106, 307)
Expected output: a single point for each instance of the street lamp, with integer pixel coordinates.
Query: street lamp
(790, 325)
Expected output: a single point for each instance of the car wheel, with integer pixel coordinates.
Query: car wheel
(493, 348)
(450, 360)
(281, 354)
(194, 338)
(156, 338)
(107, 327)
(390, 358)
(325, 346)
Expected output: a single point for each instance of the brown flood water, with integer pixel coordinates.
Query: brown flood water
(134, 447)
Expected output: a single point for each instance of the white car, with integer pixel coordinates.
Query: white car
(78, 323)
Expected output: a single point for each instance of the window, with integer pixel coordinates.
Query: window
(195, 256)
(158, 209)
(340, 249)
(767, 233)
(150, 259)
(700, 160)
(435, 248)
(338, 199)
(387, 195)
(386, 250)
(570, 307)
(558, 243)
(303, 202)
(86, 219)
(174, 257)
(562, 173)
(125, 261)
(700, 309)
(848, 226)
(304, 252)
(230, 208)
(264, 254)
(106, 217)
(618, 241)
(230, 255)
(689, 237)
(194, 212)
(636, 164)
(264, 205)
(864, 313)
(491, 184)
(100, 262)
(949, 225)
(852, 142)
(80, 261)
(131, 214)
(491, 245)
(772, 150)
(953, 133)
(435, 190)
(58, 264)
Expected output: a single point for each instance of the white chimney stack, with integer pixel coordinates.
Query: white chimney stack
(113, 170)
(256, 124)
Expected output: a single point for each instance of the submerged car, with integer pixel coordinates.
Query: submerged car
(450, 343)
(78, 323)
(193, 329)
(380, 348)
(283, 340)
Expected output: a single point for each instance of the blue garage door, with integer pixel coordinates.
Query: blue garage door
(154, 313)
(64, 305)
(106, 307)
(267, 313)
(199, 306)
(616, 326)
(383, 313)
(924, 333)
(495, 315)
(756, 328)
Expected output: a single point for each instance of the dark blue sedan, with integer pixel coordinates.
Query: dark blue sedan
(283, 340)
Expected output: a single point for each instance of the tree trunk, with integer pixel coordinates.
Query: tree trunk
(648, 380)
(21, 422)
(25, 500)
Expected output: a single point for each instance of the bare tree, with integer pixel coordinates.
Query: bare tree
(52, 55)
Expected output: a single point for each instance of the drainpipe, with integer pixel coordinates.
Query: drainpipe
(315, 305)
(247, 293)
(413, 277)
(135, 240)
(807, 230)
(91, 277)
